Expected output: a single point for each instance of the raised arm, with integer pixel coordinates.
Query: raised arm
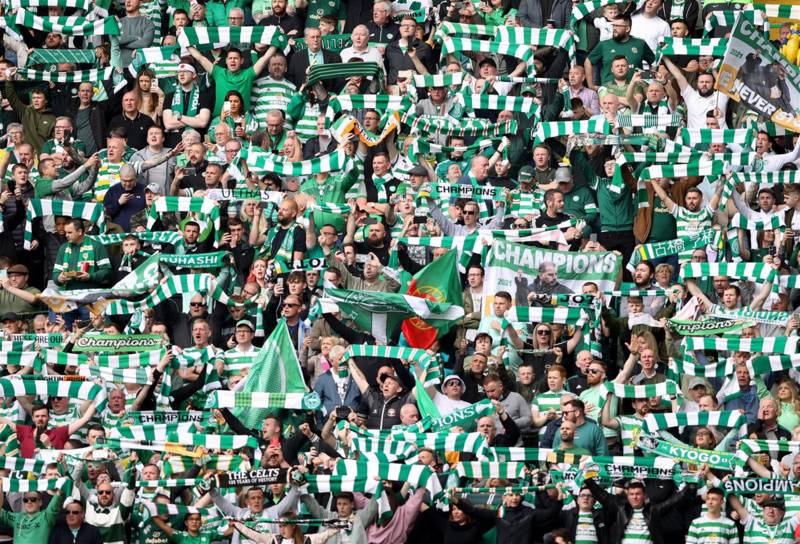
(201, 60)
(605, 416)
(676, 73)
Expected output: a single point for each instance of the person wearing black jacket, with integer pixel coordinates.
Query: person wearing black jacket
(624, 510)
(466, 524)
(63, 532)
(99, 112)
(510, 434)
(519, 523)
(574, 519)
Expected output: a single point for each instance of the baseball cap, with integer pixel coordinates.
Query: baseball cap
(774, 502)
(245, 323)
(418, 171)
(696, 382)
(154, 188)
(10, 316)
(563, 174)
(17, 269)
(525, 174)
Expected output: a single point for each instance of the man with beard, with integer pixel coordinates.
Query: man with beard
(628, 427)
(622, 43)
(546, 283)
(701, 101)
(693, 218)
(554, 215)
(186, 107)
(286, 240)
(779, 95)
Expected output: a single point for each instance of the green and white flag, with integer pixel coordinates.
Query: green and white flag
(276, 372)
(204, 207)
(69, 26)
(380, 314)
(37, 207)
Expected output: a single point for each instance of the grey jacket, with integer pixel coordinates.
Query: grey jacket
(530, 13)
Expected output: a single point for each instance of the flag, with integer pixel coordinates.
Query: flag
(380, 314)
(439, 281)
(275, 370)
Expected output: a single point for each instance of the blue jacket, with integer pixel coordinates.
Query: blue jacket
(121, 215)
(325, 387)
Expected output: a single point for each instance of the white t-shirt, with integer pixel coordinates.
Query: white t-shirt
(649, 29)
(697, 106)
(446, 405)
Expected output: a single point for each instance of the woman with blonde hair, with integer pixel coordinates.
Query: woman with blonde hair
(320, 362)
(247, 214)
(292, 150)
(789, 399)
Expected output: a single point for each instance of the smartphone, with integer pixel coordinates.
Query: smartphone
(226, 106)
(342, 413)
(420, 219)
(190, 170)
(263, 204)
(68, 135)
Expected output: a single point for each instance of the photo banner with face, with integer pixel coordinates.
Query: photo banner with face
(514, 268)
(754, 72)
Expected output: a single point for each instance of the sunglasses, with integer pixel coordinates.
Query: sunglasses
(290, 305)
(468, 212)
(105, 492)
(197, 304)
(543, 333)
(593, 371)
(73, 512)
(30, 499)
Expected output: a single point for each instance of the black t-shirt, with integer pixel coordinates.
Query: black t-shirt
(195, 180)
(204, 101)
(382, 253)
(299, 243)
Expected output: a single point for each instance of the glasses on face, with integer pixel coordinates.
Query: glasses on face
(197, 304)
(104, 492)
(585, 496)
(469, 212)
(30, 499)
(594, 371)
(543, 332)
(73, 512)
(290, 305)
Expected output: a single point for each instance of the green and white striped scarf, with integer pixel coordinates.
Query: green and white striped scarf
(14, 485)
(764, 364)
(154, 432)
(751, 271)
(773, 344)
(85, 5)
(691, 137)
(581, 10)
(688, 366)
(350, 102)
(76, 389)
(16, 345)
(185, 204)
(783, 178)
(482, 128)
(36, 466)
(418, 476)
(625, 391)
(529, 314)
(540, 37)
(174, 285)
(480, 470)
(417, 355)
(775, 449)
(53, 357)
(439, 80)
(694, 168)
(174, 510)
(714, 47)
(452, 45)
(78, 76)
(540, 455)
(158, 237)
(163, 61)
(69, 26)
(727, 18)
(289, 401)
(732, 419)
(446, 441)
(217, 37)
(395, 448)
(648, 120)
(116, 375)
(261, 161)
(58, 56)
(17, 358)
(449, 28)
(170, 483)
(87, 211)
(555, 129)
(495, 102)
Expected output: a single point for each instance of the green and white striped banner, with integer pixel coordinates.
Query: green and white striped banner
(76, 389)
(261, 161)
(68, 26)
(782, 178)
(625, 391)
(417, 355)
(174, 285)
(290, 401)
(495, 102)
(772, 344)
(87, 211)
(141, 359)
(555, 129)
(78, 76)
(775, 449)
(732, 419)
(18, 358)
(523, 52)
(439, 80)
(217, 37)
(155, 432)
(418, 476)
(772, 223)
(116, 375)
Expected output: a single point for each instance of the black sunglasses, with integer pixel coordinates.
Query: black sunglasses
(593, 371)
(73, 512)
(30, 499)
(290, 305)
(197, 304)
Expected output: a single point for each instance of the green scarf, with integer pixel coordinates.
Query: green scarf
(194, 101)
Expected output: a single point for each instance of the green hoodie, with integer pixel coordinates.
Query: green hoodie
(38, 124)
